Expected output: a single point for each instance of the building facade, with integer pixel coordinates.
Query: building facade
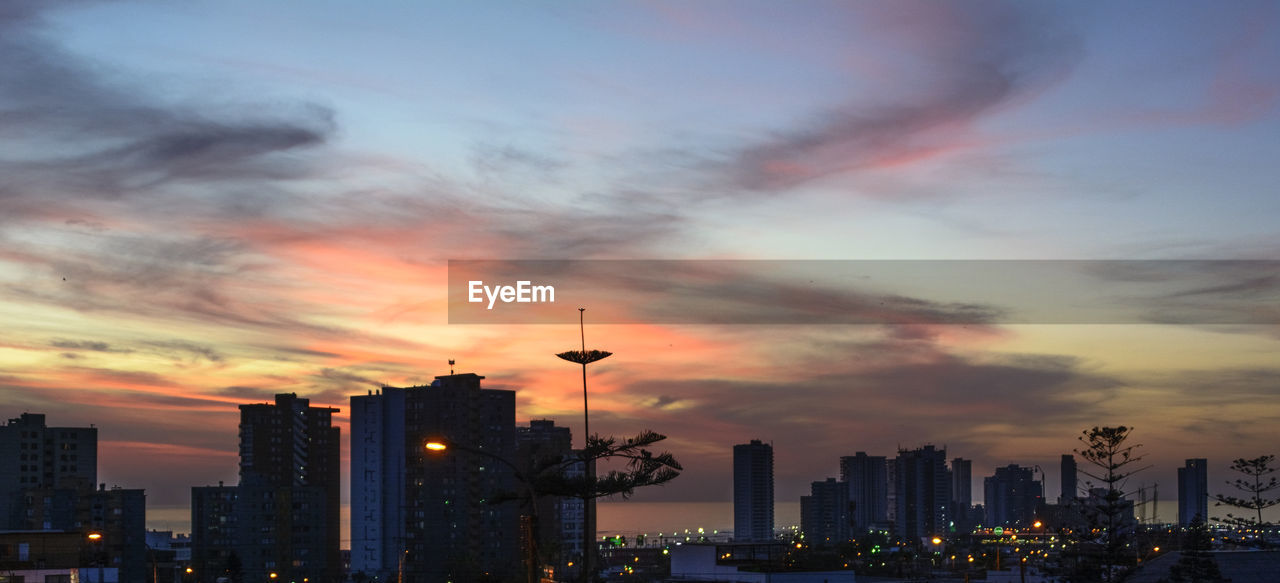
(289, 499)
(753, 491)
(1069, 491)
(52, 488)
(1193, 491)
(824, 514)
(427, 514)
(962, 495)
(867, 479)
(1011, 496)
(36, 456)
(282, 522)
(923, 493)
(214, 533)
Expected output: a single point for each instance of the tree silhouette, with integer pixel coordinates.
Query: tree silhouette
(1256, 483)
(1109, 461)
(558, 475)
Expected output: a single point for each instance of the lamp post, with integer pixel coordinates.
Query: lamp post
(96, 539)
(531, 498)
(585, 357)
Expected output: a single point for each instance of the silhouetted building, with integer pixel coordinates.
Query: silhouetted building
(214, 532)
(1011, 496)
(1069, 491)
(867, 478)
(51, 488)
(120, 515)
(753, 491)
(824, 514)
(559, 519)
(282, 521)
(36, 456)
(428, 513)
(962, 494)
(1193, 491)
(923, 490)
(289, 503)
(378, 459)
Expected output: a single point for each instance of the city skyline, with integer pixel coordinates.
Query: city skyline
(208, 204)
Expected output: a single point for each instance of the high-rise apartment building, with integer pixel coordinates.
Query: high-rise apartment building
(290, 491)
(962, 494)
(1012, 496)
(923, 493)
(753, 491)
(214, 532)
(284, 516)
(423, 513)
(1068, 480)
(868, 483)
(48, 484)
(378, 458)
(37, 456)
(1193, 491)
(824, 514)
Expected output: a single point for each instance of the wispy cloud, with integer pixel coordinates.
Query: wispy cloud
(958, 64)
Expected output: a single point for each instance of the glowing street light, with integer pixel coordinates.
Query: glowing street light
(436, 446)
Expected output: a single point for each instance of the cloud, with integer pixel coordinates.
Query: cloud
(197, 350)
(86, 345)
(85, 136)
(964, 63)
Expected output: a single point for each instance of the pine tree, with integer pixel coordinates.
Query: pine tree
(1105, 510)
(1257, 482)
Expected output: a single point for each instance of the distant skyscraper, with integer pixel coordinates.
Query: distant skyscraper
(289, 498)
(961, 493)
(867, 478)
(427, 514)
(753, 491)
(1193, 491)
(1069, 491)
(824, 515)
(1011, 496)
(923, 493)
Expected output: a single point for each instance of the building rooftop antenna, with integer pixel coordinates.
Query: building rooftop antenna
(451, 362)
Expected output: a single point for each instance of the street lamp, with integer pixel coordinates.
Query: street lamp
(96, 539)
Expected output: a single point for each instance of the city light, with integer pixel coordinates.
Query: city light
(436, 446)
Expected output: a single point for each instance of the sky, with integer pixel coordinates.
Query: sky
(203, 204)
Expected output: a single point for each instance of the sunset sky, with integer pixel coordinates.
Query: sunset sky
(203, 204)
